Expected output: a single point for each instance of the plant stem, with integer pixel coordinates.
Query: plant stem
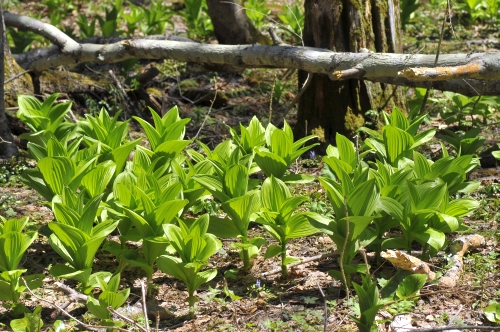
(246, 260)
(284, 269)
(191, 301)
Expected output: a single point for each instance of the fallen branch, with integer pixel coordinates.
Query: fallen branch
(409, 263)
(482, 70)
(458, 248)
(87, 326)
(304, 261)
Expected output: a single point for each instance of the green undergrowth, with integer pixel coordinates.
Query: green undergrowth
(178, 199)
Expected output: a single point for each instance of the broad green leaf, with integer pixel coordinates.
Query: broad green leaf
(270, 163)
(299, 226)
(223, 227)
(347, 151)
(235, 181)
(274, 192)
(290, 260)
(271, 251)
(57, 172)
(411, 285)
(64, 271)
(212, 184)
(298, 178)
(122, 152)
(97, 179)
(171, 149)
(432, 237)
(397, 142)
(363, 199)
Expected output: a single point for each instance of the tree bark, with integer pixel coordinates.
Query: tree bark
(328, 107)
(7, 147)
(232, 25)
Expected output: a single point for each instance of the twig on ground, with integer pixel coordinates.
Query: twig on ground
(128, 101)
(304, 261)
(465, 327)
(325, 315)
(127, 319)
(16, 76)
(143, 291)
(87, 326)
(342, 253)
(301, 92)
(208, 113)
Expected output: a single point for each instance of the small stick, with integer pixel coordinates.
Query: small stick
(90, 327)
(342, 253)
(18, 75)
(146, 321)
(304, 261)
(127, 319)
(128, 101)
(466, 327)
(208, 113)
(326, 309)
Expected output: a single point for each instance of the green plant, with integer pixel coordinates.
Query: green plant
(13, 244)
(465, 110)
(109, 297)
(44, 119)
(31, 322)
(369, 305)
(153, 21)
(194, 246)
(399, 138)
(281, 153)
(148, 222)
(468, 143)
(166, 137)
(105, 136)
(256, 11)
(197, 19)
(408, 9)
(74, 236)
(279, 218)
(87, 29)
(251, 136)
(293, 18)
(476, 9)
(109, 23)
(225, 174)
(492, 312)
(20, 41)
(354, 203)
(400, 293)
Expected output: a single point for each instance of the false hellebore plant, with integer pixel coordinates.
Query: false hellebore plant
(75, 238)
(194, 246)
(278, 218)
(230, 184)
(13, 245)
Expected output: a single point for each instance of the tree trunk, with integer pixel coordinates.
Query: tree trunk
(7, 146)
(232, 25)
(328, 107)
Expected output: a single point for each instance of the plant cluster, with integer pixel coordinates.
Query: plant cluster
(97, 182)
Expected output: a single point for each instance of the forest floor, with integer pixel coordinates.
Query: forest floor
(267, 302)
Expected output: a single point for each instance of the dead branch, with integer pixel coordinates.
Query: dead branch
(481, 70)
(304, 261)
(409, 263)
(67, 314)
(458, 248)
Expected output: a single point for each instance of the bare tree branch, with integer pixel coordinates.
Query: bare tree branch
(48, 31)
(469, 74)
